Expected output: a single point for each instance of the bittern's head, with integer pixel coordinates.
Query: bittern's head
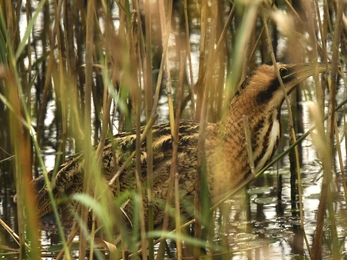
(264, 86)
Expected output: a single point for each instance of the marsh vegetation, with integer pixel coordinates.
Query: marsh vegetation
(74, 73)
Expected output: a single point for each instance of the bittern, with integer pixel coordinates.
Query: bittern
(258, 99)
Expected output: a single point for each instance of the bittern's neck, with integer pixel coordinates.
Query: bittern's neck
(263, 122)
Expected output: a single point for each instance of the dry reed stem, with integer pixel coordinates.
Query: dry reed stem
(87, 180)
(204, 91)
(134, 41)
(149, 106)
(339, 152)
(200, 84)
(165, 21)
(98, 154)
(331, 122)
(20, 129)
(345, 135)
(328, 157)
(13, 234)
(174, 169)
(189, 55)
(15, 125)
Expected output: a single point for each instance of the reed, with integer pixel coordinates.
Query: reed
(74, 73)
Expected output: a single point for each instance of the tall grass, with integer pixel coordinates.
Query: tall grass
(106, 65)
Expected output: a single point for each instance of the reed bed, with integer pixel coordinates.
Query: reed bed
(74, 73)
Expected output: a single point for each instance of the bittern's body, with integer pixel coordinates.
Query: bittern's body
(258, 100)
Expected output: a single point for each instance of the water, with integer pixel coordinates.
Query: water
(262, 226)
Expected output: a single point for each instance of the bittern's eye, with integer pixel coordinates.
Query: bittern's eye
(283, 72)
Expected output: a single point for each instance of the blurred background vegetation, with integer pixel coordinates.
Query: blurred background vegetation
(75, 69)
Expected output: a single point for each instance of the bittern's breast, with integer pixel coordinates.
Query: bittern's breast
(231, 160)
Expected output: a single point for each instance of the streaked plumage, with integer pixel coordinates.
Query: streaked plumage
(259, 98)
